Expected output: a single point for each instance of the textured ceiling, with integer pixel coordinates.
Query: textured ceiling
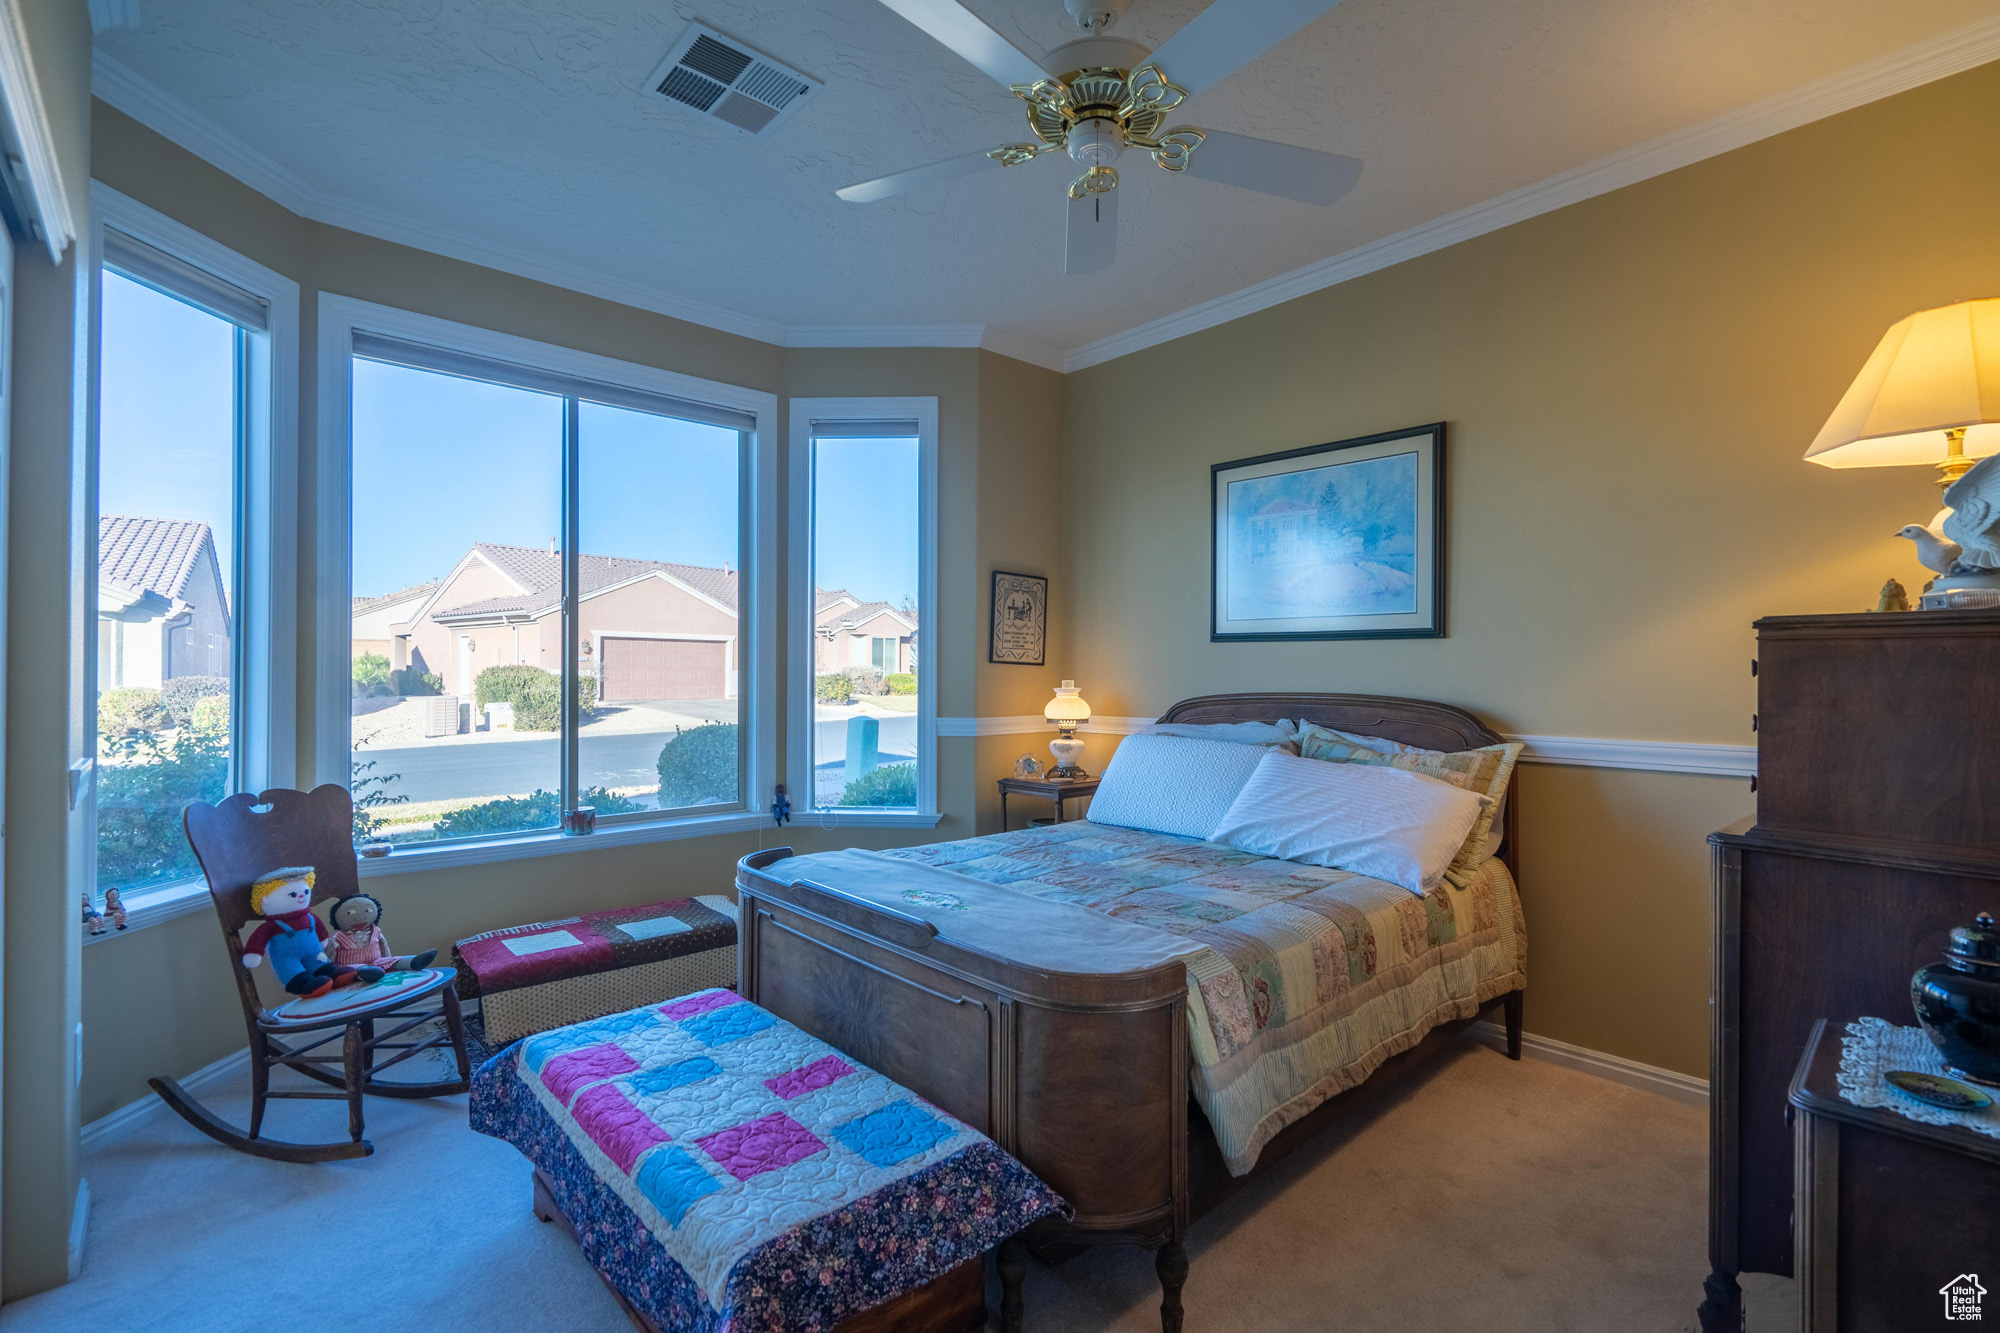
(521, 124)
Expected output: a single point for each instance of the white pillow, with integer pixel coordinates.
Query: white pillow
(1171, 784)
(1280, 732)
(1396, 826)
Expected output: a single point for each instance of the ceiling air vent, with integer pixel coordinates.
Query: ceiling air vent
(722, 78)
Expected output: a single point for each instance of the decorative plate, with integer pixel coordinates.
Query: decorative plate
(1937, 1090)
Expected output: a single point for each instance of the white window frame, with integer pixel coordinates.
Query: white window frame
(266, 618)
(804, 413)
(340, 317)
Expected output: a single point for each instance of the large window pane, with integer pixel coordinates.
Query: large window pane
(658, 642)
(166, 541)
(865, 622)
(457, 633)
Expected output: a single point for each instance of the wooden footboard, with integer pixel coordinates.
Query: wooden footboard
(1083, 1077)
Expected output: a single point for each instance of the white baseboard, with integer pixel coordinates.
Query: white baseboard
(109, 1128)
(79, 1222)
(1651, 1078)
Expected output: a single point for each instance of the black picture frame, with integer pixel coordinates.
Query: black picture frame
(1024, 626)
(1427, 576)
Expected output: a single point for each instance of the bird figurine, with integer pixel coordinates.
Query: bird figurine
(1935, 551)
(1893, 597)
(1972, 525)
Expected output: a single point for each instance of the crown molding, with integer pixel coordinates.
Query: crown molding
(1951, 53)
(1941, 56)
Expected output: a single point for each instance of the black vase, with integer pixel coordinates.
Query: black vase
(1958, 1001)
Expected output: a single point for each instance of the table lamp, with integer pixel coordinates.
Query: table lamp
(1068, 711)
(1930, 393)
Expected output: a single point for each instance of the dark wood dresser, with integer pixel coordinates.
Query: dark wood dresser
(1877, 831)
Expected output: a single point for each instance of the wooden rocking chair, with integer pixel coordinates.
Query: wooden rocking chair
(240, 839)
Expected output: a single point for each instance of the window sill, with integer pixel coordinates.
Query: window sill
(149, 907)
(152, 906)
(411, 859)
(830, 819)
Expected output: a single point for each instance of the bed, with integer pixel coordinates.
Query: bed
(1145, 1021)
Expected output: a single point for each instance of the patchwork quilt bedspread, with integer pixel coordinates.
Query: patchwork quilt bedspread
(1307, 978)
(729, 1172)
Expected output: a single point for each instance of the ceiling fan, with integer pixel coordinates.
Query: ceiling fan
(1095, 97)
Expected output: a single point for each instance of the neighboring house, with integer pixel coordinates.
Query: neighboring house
(1278, 530)
(162, 609)
(647, 629)
(380, 623)
(851, 632)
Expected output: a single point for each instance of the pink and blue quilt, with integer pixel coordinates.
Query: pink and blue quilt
(729, 1172)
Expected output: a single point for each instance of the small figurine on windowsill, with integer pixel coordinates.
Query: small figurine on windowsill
(294, 937)
(358, 941)
(93, 920)
(114, 907)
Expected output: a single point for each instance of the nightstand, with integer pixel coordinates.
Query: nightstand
(1055, 790)
(1886, 1211)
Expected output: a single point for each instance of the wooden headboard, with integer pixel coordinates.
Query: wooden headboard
(1433, 726)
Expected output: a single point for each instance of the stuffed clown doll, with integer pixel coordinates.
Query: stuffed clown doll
(295, 938)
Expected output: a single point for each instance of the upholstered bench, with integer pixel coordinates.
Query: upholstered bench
(532, 978)
(722, 1169)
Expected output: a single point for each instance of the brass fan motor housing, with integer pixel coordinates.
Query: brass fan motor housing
(1135, 101)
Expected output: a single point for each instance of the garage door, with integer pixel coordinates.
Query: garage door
(638, 669)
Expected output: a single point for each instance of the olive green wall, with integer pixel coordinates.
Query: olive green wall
(159, 1000)
(42, 993)
(1629, 384)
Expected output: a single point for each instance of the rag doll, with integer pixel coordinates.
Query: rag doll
(93, 920)
(294, 937)
(114, 907)
(357, 937)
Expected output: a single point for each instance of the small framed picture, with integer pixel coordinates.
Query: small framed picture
(1020, 619)
(1337, 541)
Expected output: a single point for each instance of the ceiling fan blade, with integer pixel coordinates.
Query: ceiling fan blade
(1304, 174)
(1228, 35)
(917, 178)
(964, 32)
(1093, 233)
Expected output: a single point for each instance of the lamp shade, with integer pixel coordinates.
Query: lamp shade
(1932, 372)
(1067, 706)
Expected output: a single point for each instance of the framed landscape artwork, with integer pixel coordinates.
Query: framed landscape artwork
(1338, 541)
(1020, 619)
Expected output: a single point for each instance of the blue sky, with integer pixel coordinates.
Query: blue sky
(441, 463)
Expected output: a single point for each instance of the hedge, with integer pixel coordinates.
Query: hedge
(698, 766)
(535, 694)
(371, 672)
(139, 804)
(131, 711)
(410, 681)
(901, 682)
(833, 688)
(511, 814)
(504, 685)
(180, 695)
(891, 784)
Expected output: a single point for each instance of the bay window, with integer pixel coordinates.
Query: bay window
(553, 564)
(863, 575)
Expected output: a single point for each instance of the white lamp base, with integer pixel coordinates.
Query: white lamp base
(1953, 592)
(1068, 751)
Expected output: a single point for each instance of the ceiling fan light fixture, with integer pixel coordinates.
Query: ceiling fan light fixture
(1096, 142)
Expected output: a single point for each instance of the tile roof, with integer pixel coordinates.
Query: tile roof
(866, 612)
(539, 570)
(401, 594)
(150, 554)
(825, 597)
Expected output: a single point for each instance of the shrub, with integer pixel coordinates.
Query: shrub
(511, 814)
(537, 708)
(131, 711)
(901, 682)
(141, 792)
(865, 680)
(698, 766)
(891, 784)
(179, 695)
(505, 685)
(370, 792)
(371, 672)
(833, 689)
(211, 717)
(410, 681)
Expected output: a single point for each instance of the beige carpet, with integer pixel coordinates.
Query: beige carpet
(1495, 1196)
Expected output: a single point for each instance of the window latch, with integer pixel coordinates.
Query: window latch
(781, 808)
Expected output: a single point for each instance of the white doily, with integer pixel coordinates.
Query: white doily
(1872, 1047)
